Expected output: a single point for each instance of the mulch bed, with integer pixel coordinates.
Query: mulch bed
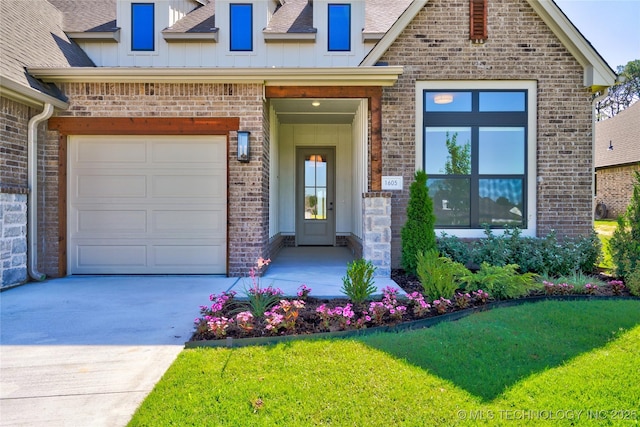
(308, 321)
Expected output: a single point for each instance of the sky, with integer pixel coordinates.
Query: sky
(611, 26)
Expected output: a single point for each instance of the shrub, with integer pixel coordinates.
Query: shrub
(625, 241)
(418, 233)
(632, 281)
(501, 282)
(439, 276)
(535, 255)
(358, 283)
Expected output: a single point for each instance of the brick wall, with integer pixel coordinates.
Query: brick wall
(436, 46)
(248, 220)
(14, 118)
(615, 188)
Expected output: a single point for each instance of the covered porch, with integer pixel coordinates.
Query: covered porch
(325, 173)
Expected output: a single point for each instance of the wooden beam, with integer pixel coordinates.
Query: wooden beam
(144, 125)
(322, 91)
(376, 142)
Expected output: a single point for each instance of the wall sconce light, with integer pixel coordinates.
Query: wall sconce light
(243, 146)
(610, 146)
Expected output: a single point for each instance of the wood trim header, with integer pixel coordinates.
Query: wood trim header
(144, 125)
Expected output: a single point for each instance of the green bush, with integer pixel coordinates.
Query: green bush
(533, 255)
(501, 282)
(625, 241)
(440, 277)
(418, 233)
(632, 281)
(358, 283)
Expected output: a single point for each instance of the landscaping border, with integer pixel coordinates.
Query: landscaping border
(427, 322)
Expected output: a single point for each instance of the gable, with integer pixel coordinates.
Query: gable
(597, 74)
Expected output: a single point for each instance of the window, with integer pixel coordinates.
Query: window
(475, 154)
(339, 27)
(241, 35)
(142, 31)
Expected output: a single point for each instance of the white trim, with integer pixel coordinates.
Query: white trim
(210, 37)
(329, 76)
(95, 36)
(532, 142)
(289, 37)
(27, 95)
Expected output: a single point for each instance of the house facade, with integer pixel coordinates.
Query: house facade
(192, 137)
(617, 157)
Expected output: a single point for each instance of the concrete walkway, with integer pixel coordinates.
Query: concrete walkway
(86, 350)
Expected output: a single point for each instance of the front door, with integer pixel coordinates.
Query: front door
(315, 189)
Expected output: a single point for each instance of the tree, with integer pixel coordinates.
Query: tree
(459, 158)
(418, 233)
(625, 242)
(623, 94)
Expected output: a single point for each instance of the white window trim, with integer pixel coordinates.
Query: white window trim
(532, 143)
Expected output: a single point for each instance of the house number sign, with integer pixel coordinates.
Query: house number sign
(392, 183)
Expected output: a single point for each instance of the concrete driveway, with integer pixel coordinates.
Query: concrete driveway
(85, 351)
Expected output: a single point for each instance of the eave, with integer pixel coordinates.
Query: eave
(29, 96)
(344, 76)
(289, 37)
(210, 37)
(94, 36)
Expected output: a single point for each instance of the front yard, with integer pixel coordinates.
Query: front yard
(561, 362)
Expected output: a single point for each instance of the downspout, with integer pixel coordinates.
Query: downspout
(32, 168)
(594, 102)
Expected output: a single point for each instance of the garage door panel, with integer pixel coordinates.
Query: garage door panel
(110, 186)
(191, 256)
(94, 150)
(111, 221)
(182, 186)
(194, 221)
(191, 153)
(105, 258)
(162, 211)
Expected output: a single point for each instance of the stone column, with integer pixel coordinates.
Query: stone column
(376, 233)
(13, 239)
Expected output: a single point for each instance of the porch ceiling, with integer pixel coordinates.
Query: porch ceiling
(302, 111)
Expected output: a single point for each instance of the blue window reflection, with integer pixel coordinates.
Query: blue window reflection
(502, 101)
(501, 150)
(339, 27)
(142, 37)
(447, 150)
(436, 102)
(501, 202)
(241, 17)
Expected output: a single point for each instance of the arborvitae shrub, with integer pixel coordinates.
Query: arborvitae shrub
(418, 233)
(625, 242)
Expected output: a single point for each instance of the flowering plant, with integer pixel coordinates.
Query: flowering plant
(462, 300)
(591, 289)
(244, 320)
(420, 306)
(303, 292)
(218, 325)
(441, 305)
(480, 296)
(259, 299)
(617, 286)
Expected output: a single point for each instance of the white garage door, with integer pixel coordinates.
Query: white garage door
(147, 205)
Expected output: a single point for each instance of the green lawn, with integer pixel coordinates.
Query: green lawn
(605, 228)
(560, 363)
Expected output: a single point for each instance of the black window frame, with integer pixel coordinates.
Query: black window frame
(231, 27)
(153, 27)
(475, 119)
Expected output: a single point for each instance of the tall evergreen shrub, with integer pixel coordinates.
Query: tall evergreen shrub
(418, 233)
(625, 242)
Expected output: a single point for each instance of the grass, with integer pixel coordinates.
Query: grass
(605, 228)
(554, 356)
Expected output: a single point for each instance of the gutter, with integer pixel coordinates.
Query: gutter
(594, 101)
(32, 167)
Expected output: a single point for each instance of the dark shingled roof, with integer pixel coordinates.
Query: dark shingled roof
(623, 131)
(87, 15)
(295, 16)
(31, 36)
(380, 15)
